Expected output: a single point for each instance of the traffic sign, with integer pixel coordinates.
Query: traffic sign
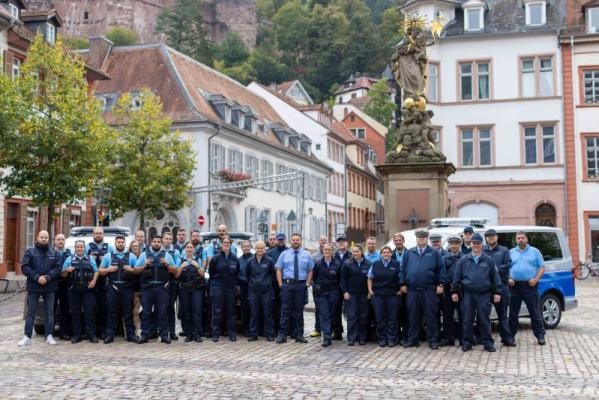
(201, 220)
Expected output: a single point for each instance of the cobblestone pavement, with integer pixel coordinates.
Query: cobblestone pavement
(565, 368)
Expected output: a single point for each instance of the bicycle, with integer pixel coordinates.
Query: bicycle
(587, 268)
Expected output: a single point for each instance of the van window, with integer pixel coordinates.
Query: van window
(546, 242)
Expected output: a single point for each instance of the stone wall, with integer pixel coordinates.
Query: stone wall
(94, 17)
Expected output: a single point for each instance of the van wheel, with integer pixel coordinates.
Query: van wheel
(551, 311)
(39, 329)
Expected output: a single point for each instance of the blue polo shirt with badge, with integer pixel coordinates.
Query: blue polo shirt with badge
(285, 263)
(525, 263)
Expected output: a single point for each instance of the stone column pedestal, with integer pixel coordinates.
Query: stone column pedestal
(415, 193)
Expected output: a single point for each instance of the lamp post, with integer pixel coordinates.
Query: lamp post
(101, 194)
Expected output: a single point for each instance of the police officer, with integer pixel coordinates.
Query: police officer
(451, 330)
(399, 242)
(422, 277)
(224, 272)
(383, 288)
(82, 272)
(62, 294)
(155, 266)
(317, 257)
(467, 234)
(173, 286)
(477, 278)
(214, 247)
(354, 286)
(326, 277)
(526, 272)
(41, 268)
(191, 278)
(272, 241)
(260, 274)
(342, 255)
(294, 276)
(274, 253)
(436, 243)
(97, 249)
(118, 268)
(140, 237)
(200, 254)
(371, 253)
(242, 282)
(181, 241)
(503, 262)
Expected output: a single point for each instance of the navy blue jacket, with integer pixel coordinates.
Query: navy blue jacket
(385, 281)
(39, 261)
(61, 256)
(397, 257)
(243, 263)
(476, 277)
(346, 257)
(422, 272)
(275, 252)
(328, 277)
(224, 271)
(502, 259)
(451, 261)
(466, 250)
(260, 274)
(354, 277)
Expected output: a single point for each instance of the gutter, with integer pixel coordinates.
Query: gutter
(210, 175)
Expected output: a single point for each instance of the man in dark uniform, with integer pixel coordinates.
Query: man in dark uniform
(468, 232)
(403, 318)
(317, 257)
(173, 287)
(477, 278)
(41, 268)
(97, 249)
(503, 262)
(118, 268)
(451, 330)
(436, 243)
(342, 255)
(200, 254)
(62, 294)
(422, 278)
(181, 241)
(294, 276)
(242, 282)
(260, 272)
(274, 253)
(155, 266)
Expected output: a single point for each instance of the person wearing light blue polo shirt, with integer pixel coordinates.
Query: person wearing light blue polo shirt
(294, 276)
(371, 254)
(525, 273)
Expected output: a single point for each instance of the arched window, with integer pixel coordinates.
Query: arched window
(545, 215)
(480, 210)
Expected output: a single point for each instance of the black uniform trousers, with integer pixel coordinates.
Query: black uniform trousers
(479, 305)
(357, 308)
(82, 298)
(292, 309)
(261, 309)
(423, 302)
(192, 304)
(119, 298)
(328, 303)
(451, 329)
(223, 301)
(385, 310)
(154, 297)
(522, 292)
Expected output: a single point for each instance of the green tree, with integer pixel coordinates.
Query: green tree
(380, 106)
(391, 31)
(232, 50)
(152, 165)
(291, 25)
(75, 42)
(183, 26)
(53, 140)
(243, 72)
(122, 36)
(268, 68)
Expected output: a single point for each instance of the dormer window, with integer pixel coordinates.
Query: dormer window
(474, 19)
(13, 10)
(592, 20)
(135, 102)
(50, 33)
(536, 13)
(249, 123)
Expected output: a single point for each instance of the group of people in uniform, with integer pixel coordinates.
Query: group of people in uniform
(396, 295)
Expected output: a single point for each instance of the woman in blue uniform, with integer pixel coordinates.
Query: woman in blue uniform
(326, 276)
(354, 278)
(191, 278)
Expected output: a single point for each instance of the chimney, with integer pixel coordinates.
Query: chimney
(99, 48)
(345, 112)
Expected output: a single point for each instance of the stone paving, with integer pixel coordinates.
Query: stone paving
(565, 368)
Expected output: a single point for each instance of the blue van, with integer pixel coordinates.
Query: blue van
(556, 287)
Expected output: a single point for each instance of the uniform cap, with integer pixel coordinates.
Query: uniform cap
(435, 237)
(468, 229)
(280, 236)
(454, 238)
(421, 232)
(477, 238)
(490, 232)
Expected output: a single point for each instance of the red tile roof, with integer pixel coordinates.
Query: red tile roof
(341, 130)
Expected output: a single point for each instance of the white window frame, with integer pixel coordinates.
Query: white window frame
(539, 139)
(218, 158)
(266, 169)
(356, 133)
(433, 82)
(595, 158)
(30, 228)
(476, 145)
(252, 165)
(16, 67)
(594, 86)
(235, 160)
(50, 33)
(543, 4)
(13, 10)
(475, 76)
(592, 23)
(481, 22)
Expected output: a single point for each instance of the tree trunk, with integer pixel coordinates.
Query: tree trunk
(50, 223)
(142, 218)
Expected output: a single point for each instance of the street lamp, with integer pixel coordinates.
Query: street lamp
(101, 194)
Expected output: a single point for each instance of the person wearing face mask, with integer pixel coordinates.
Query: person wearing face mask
(383, 288)
(191, 278)
(260, 274)
(326, 277)
(354, 286)
(224, 272)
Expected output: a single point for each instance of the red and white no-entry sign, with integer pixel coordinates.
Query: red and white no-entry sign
(201, 220)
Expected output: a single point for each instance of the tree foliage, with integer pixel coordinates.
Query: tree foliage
(53, 140)
(122, 36)
(183, 26)
(152, 165)
(380, 106)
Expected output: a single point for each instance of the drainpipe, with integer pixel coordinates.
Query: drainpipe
(575, 183)
(210, 211)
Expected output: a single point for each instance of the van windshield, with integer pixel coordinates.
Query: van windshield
(546, 242)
